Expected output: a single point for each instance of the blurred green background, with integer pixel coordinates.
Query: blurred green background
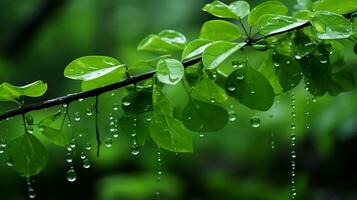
(38, 38)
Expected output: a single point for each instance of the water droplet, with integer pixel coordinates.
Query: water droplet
(126, 103)
(89, 111)
(232, 116)
(231, 88)
(72, 144)
(298, 57)
(64, 105)
(255, 121)
(80, 99)
(83, 155)
(69, 157)
(71, 175)
(29, 129)
(108, 142)
(135, 148)
(115, 107)
(10, 162)
(212, 100)
(3, 142)
(88, 146)
(2, 149)
(86, 163)
(202, 135)
(287, 62)
(77, 116)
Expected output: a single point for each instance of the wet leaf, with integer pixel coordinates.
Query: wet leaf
(138, 102)
(270, 23)
(330, 25)
(220, 30)
(56, 136)
(336, 6)
(28, 155)
(9, 92)
(240, 8)
(200, 116)
(217, 53)
(209, 90)
(219, 9)
(170, 71)
(251, 88)
(195, 48)
(165, 42)
(268, 7)
(288, 71)
(170, 134)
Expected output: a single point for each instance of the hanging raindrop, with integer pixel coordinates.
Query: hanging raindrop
(159, 172)
(77, 116)
(89, 111)
(86, 163)
(255, 121)
(69, 157)
(30, 191)
(71, 175)
(232, 116)
(88, 146)
(108, 142)
(115, 107)
(9, 162)
(293, 146)
(135, 148)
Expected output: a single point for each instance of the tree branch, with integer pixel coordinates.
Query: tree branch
(131, 80)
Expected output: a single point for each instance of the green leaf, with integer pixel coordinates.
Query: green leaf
(9, 92)
(110, 78)
(302, 45)
(240, 8)
(268, 7)
(144, 66)
(217, 30)
(329, 25)
(289, 72)
(137, 124)
(251, 88)
(354, 27)
(219, 9)
(341, 81)
(218, 52)
(236, 10)
(304, 4)
(56, 136)
(160, 101)
(209, 90)
(28, 155)
(316, 69)
(200, 116)
(271, 24)
(165, 42)
(195, 49)
(340, 7)
(140, 102)
(269, 70)
(170, 71)
(91, 67)
(170, 134)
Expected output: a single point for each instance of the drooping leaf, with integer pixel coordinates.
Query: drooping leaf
(165, 42)
(195, 49)
(336, 6)
(200, 116)
(137, 102)
(170, 71)
(28, 155)
(160, 101)
(268, 7)
(220, 30)
(330, 25)
(302, 45)
(317, 71)
(218, 52)
(289, 72)
(209, 90)
(251, 88)
(341, 81)
(91, 67)
(9, 92)
(271, 23)
(269, 71)
(170, 134)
